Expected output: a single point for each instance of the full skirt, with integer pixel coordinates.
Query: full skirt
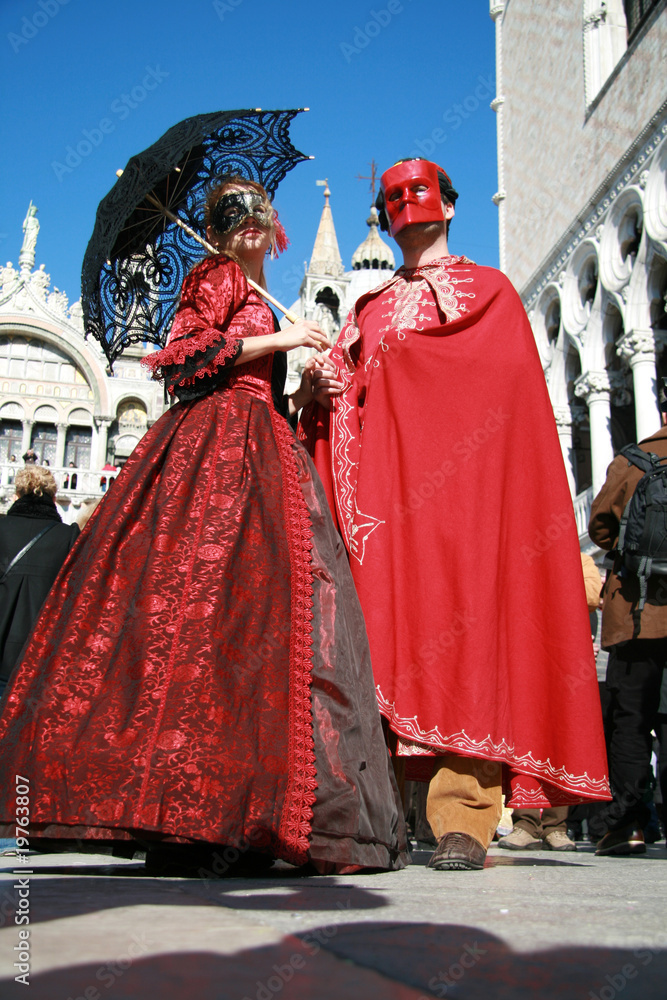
(200, 670)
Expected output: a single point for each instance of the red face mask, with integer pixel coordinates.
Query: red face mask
(405, 203)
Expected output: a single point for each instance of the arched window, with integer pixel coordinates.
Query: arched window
(581, 433)
(326, 312)
(11, 436)
(588, 283)
(552, 321)
(623, 425)
(44, 438)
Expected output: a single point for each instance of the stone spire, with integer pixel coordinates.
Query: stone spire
(326, 257)
(373, 253)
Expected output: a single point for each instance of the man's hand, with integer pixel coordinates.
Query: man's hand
(326, 381)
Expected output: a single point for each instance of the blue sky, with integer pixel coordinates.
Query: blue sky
(383, 80)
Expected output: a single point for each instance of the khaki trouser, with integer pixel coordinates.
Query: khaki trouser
(464, 796)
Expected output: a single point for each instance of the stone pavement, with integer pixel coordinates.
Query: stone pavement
(531, 925)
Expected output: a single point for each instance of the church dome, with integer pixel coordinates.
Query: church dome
(373, 253)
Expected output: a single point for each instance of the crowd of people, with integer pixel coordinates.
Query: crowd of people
(260, 639)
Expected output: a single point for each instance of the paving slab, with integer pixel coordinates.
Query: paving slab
(534, 924)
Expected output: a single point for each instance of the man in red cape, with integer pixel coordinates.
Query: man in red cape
(435, 438)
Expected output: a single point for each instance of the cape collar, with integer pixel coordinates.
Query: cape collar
(434, 272)
(431, 272)
(439, 264)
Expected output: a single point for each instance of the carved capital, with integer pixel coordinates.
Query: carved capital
(596, 17)
(635, 343)
(563, 416)
(592, 385)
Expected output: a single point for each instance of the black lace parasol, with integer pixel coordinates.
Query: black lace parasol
(137, 257)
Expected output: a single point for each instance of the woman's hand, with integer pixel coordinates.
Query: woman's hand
(301, 334)
(304, 394)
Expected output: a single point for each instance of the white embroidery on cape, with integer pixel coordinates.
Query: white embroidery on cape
(361, 529)
(419, 743)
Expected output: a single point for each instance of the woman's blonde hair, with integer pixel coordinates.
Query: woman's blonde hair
(35, 479)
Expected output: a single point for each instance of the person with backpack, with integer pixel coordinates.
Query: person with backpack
(629, 518)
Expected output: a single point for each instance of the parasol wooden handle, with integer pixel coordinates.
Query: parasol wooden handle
(289, 315)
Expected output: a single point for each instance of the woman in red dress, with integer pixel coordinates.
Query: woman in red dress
(199, 675)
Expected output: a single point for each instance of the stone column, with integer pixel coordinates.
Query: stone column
(638, 348)
(60, 444)
(27, 435)
(563, 417)
(595, 389)
(98, 451)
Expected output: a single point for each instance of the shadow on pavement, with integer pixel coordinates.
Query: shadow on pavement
(364, 962)
(55, 898)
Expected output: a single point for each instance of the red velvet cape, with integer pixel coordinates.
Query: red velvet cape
(446, 475)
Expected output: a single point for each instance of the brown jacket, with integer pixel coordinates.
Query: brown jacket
(619, 596)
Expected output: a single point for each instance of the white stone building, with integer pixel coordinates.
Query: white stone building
(582, 199)
(56, 395)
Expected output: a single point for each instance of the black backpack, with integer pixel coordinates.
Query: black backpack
(642, 539)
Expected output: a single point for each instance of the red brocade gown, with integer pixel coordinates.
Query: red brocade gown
(200, 670)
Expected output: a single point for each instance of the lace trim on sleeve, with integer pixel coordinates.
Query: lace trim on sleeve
(178, 352)
(198, 365)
